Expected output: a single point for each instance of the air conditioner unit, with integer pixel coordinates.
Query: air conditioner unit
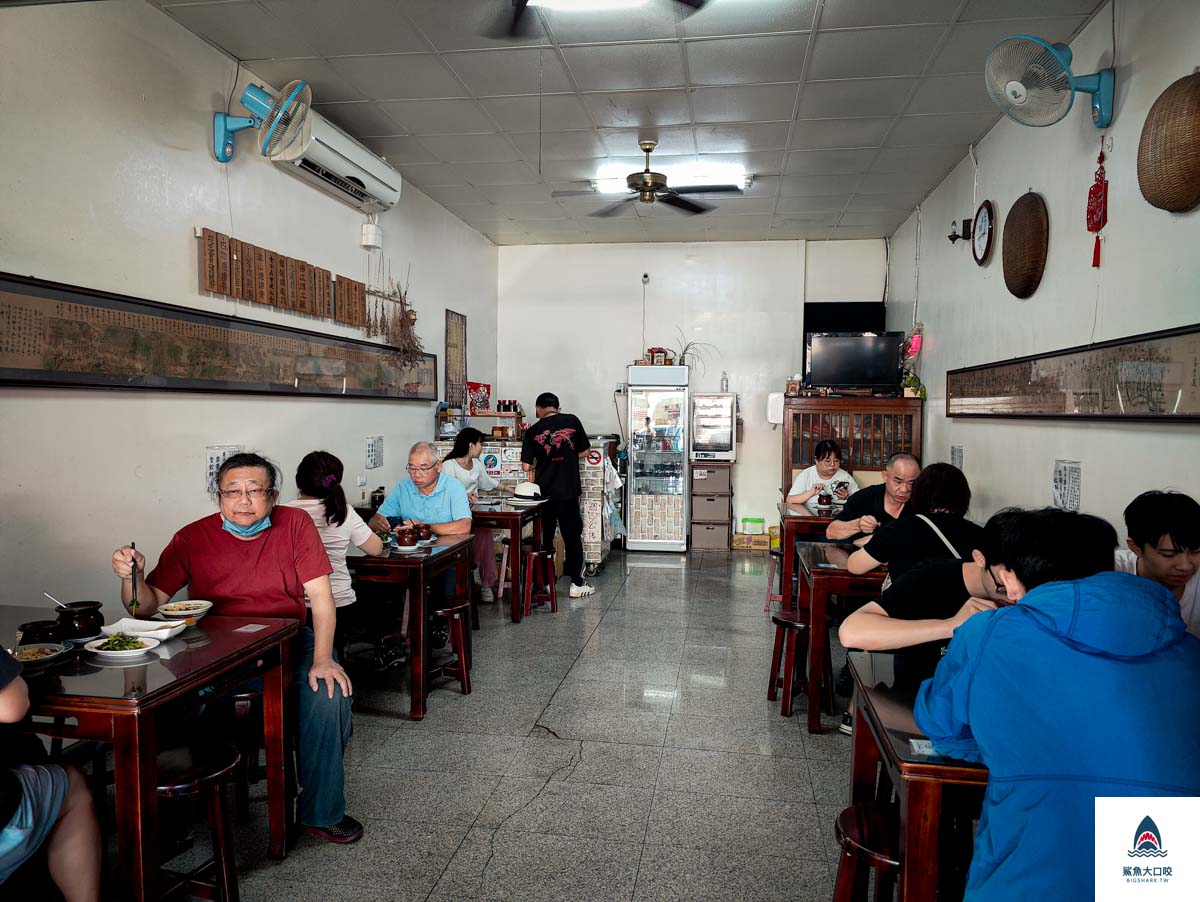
(344, 169)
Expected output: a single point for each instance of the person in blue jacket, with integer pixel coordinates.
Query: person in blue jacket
(1063, 696)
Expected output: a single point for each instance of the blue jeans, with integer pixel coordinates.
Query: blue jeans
(323, 731)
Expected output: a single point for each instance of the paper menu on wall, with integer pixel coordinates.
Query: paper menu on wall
(215, 456)
(1066, 484)
(374, 451)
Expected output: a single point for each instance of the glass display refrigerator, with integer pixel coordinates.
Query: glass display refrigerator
(656, 509)
(714, 426)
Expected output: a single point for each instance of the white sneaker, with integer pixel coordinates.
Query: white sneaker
(582, 591)
(487, 596)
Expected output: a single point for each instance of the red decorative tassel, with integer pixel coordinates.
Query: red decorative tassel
(1096, 254)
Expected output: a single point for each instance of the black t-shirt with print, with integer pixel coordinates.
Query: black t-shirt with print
(932, 590)
(904, 543)
(553, 445)
(10, 787)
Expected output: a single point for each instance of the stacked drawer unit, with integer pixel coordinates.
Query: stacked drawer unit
(712, 506)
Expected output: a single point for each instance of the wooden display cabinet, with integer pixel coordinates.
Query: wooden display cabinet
(869, 431)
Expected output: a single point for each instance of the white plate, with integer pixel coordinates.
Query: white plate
(185, 615)
(408, 549)
(162, 630)
(148, 643)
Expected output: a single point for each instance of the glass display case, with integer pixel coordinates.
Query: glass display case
(714, 418)
(658, 474)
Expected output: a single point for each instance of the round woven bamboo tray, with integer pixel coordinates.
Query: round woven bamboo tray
(1026, 240)
(1168, 163)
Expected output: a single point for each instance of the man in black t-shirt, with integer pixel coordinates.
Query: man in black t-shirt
(869, 508)
(551, 449)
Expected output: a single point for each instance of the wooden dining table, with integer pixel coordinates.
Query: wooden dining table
(823, 573)
(416, 570)
(798, 523)
(86, 698)
(511, 518)
(890, 752)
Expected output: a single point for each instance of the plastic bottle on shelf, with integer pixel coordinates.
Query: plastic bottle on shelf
(724, 381)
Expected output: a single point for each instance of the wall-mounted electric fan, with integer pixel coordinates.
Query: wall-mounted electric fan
(1031, 80)
(284, 124)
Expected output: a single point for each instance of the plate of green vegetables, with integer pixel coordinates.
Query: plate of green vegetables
(121, 646)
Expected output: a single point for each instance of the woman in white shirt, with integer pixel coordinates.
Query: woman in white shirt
(823, 476)
(464, 465)
(319, 479)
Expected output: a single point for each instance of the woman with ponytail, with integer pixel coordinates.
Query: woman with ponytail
(464, 465)
(319, 479)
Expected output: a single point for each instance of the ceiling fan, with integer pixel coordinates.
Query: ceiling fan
(521, 26)
(648, 187)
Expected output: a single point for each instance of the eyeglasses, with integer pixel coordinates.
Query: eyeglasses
(1001, 589)
(252, 494)
(422, 470)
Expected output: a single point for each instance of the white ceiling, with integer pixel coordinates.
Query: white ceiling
(846, 112)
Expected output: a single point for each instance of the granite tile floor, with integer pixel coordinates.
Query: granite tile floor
(622, 748)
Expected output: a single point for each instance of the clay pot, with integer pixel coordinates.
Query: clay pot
(81, 619)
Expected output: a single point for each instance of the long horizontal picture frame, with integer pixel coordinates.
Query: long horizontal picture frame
(65, 336)
(1155, 376)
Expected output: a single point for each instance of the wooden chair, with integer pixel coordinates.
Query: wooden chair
(869, 836)
(188, 773)
(460, 668)
(504, 583)
(774, 565)
(540, 580)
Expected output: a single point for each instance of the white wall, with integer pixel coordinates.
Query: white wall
(1149, 279)
(106, 112)
(571, 321)
(845, 270)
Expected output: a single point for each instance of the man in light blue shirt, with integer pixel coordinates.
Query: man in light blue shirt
(427, 497)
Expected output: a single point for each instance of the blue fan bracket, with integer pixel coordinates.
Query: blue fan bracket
(257, 101)
(1102, 86)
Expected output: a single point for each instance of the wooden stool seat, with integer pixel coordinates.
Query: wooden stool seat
(188, 772)
(460, 668)
(869, 836)
(540, 580)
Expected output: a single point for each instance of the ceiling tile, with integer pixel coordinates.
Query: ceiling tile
(244, 30)
(986, 9)
(359, 118)
(431, 175)
(497, 173)
(952, 128)
(559, 146)
(398, 151)
(633, 109)
(625, 213)
(750, 17)
(623, 141)
(817, 185)
(398, 76)
(731, 205)
(897, 185)
(516, 194)
(932, 160)
(731, 61)
(856, 13)
(905, 198)
(348, 26)
(857, 233)
(951, 94)
(834, 202)
(572, 170)
(457, 195)
(559, 112)
(795, 231)
(529, 212)
(439, 117)
(327, 85)
(470, 148)
(466, 24)
(764, 186)
(477, 213)
(626, 67)
(967, 47)
(809, 218)
(831, 162)
(494, 72)
(855, 97)
(653, 21)
(736, 224)
(741, 138)
(762, 162)
(873, 52)
(820, 133)
(744, 103)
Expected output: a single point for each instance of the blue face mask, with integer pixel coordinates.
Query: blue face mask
(246, 532)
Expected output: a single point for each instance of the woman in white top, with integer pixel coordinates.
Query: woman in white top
(823, 476)
(464, 465)
(319, 479)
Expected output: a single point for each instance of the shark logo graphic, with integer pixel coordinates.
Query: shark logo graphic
(1147, 841)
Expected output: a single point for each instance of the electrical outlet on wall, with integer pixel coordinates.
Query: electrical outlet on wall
(374, 452)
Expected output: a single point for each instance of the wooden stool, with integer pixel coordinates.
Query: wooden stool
(789, 627)
(869, 836)
(526, 545)
(540, 580)
(775, 564)
(460, 668)
(185, 772)
(247, 734)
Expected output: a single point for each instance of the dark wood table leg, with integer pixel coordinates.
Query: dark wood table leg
(136, 776)
(514, 571)
(278, 729)
(788, 545)
(865, 759)
(416, 643)
(462, 589)
(920, 816)
(817, 642)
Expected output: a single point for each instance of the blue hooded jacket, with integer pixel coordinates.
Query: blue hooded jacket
(1083, 689)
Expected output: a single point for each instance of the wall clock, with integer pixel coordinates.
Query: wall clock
(981, 232)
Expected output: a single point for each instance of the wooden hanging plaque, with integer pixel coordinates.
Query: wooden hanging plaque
(208, 260)
(235, 268)
(222, 263)
(281, 281)
(290, 274)
(303, 278)
(262, 279)
(248, 251)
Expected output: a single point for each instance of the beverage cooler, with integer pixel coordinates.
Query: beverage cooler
(656, 509)
(714, 426)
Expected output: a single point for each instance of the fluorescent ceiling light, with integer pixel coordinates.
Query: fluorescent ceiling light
(586, 6)
(611, 180)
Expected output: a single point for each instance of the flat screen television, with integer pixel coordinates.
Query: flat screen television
(862, 360)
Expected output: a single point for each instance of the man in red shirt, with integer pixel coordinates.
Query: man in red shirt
(253, 559)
